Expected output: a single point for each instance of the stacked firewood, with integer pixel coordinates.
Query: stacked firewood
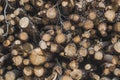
(59, 39)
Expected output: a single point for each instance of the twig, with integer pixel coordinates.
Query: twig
(6, 21)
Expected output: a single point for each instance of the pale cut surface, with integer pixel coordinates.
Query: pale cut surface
(24, 22)
(10, 76)
(117, 47)
(51, 13)
(38, 71)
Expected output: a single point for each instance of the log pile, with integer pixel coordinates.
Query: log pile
(59, 39)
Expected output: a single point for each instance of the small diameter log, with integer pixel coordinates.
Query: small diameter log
(1, 8)
(27, 47)
(23, 36)
(106, 71)
(1, 31)
(93, 32)
(43, 45)
(102, 27)
(48, 65)
(86, 34)
(83, 52)
(65, 8)
(67, 72)
(54, 48)
(1, 71)
(1, 18)
(28, 71)
(88, 66)
(4, 57)
(110, 28)
(46, 37)
(11, 38)
(110, 66)
(17, 12)
(12, 15)
(117, 27)
(66, 77)
(17, 42)
(67, 25)
(53, 76)
(25, 54)
(60, 38)
(117, 72)
(74, 17)
(95, 76)
(20, 78)
(114, 40)
(76, 74)
(39, 3)
(70, 50)
(98, 55)
(64, 65)
(85, 43)
(24, 22)
(14, 52)
(48, 5)
(73, 64)
(39, 71)
(62, 54)
(26, 61)
(17, 60)
(88, 24)
(37, 51)
(110, 15)
(115, 78)
(51, 13)
(28, 7)
(97, 47)
(22, 2)
(51, 31)
(1, 78)
(103, 33)
(117, 47)
(8, 17)
(105, 78)
(72, 28)
(37, 59)
(92, 15)
(6, 43)
(77, 39)
(91, 50)
(9, 67)
(65, 3)
(27, 77)
(58, 69)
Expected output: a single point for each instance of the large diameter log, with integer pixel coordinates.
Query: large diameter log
(37, 59)
(12, 75)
